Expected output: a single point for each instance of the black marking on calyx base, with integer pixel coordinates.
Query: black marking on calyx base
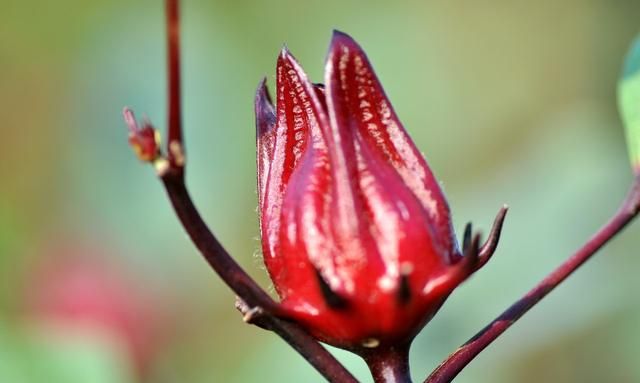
(331, 298)
(466, 238)
(404, 290)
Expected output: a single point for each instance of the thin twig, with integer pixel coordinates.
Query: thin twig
(459, 359)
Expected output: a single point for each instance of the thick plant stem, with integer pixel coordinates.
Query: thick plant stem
(451, 366)
(389, 364)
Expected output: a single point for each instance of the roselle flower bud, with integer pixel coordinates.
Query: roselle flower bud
(356, 232)
(144, 140)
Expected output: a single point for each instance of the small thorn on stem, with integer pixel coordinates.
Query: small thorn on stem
(250, 314)
(253, 313)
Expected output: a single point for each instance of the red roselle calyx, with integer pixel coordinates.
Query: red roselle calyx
(356, 232)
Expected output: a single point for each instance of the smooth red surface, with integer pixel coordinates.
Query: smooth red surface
(346, 198)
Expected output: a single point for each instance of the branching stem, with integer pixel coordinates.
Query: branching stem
(460, 358)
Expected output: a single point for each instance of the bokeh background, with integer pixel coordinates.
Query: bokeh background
(512, 102)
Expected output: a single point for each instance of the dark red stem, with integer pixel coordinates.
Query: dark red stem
(451, 366)
(217, 257)
(174, 117)
(389, 365)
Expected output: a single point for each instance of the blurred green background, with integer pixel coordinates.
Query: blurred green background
(512, 102)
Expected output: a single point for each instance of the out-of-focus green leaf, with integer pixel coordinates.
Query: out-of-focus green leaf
(629, 101)
(30, 357)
